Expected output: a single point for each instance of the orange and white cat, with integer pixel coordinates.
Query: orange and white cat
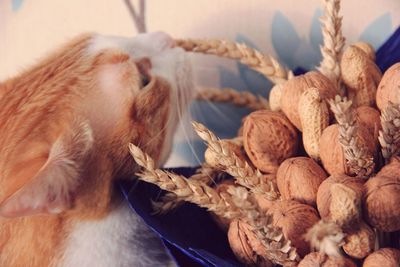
(65, 126)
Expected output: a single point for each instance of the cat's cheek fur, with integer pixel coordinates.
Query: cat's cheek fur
(165, 62)
(110, 104)
(50, 190)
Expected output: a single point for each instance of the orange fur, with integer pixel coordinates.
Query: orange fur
(37, 107)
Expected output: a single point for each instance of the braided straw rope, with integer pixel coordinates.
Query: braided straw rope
(233, 204)
(333, 40)
(359, 161)
(266, 65)
(389, 136)
(241, 99)
(244, 174)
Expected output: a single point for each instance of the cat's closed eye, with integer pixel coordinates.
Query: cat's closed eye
(144, 65)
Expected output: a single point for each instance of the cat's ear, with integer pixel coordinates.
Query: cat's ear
(50, 190)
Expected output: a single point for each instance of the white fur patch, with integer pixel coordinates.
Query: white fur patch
(119, 240)
(142, 45)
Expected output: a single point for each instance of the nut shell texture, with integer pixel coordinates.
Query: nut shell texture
(382, 202)
(299, 178)
(324, 196)
(269, 138)
(384, 257)
(316, 259)
(294, 219)
(389, 87)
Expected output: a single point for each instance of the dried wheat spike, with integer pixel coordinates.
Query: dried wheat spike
(333, 40)
(171, 201)
(266, 65)
(359, 161)
(188, 190)
(389, 136)
(244, 174)
(241, 99)
(276, 247)
(236, 203)
(326, 237)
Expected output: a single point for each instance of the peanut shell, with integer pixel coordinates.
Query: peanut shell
(360, 75)
(367, 49)
(275, 97)
(314, 118)
(294, 88)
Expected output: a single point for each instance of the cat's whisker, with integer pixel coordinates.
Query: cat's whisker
(187, 139)
(215, 109)
(160, 132)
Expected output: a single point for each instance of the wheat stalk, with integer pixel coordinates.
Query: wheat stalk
(171, 201)
(241, 99)
(266, 65)
(359, 161)
(244, 174)
(333, 40)
(389, 136)
(236, 203)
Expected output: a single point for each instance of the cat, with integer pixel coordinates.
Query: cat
(65, 126)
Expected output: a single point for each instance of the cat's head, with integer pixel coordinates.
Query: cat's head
(71, 117)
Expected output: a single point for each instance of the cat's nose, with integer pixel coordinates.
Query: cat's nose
(163, 40)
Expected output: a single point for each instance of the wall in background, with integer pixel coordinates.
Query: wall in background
(287, 29)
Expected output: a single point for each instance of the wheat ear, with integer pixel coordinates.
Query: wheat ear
(229, 95)
(359, 161)
(171, 201)
(389, 136)
(325, 237)
(333, 40)
(275, 247)
(244, 174)
(191, 191)
(233, 204)
(266, 65)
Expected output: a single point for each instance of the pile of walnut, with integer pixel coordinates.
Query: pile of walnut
(302, 148)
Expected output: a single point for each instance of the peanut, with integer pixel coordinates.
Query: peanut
(360, 75)
(314, 117)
